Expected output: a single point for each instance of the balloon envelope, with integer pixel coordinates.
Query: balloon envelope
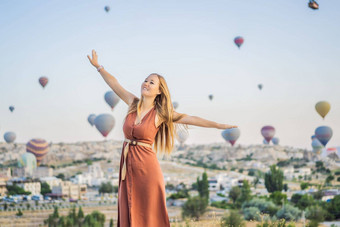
(268, 132)
(11, 108)
(107, 8)
(175, 105)
(111, 99)
(317, 146)
(43, 81)
(104, 123)
(91, 118)
(260, 86)
(323, 134)
(38, 147)
(265, 141)
(211, 97)
(238, 41)
(9, 137)
(323, 108)
(182, 135)
(275, 140)
(231, 135)
(27, 161)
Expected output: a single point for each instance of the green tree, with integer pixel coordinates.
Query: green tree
(333, 207)
(245, 194)
(106, 188)
(19, 213)
(194, 207)
(304, 185)
(273, 179)
(111, 222)
(233, 219)
(285, 187)
(61, 176)
(45, 188)
(278, 197)
(203, 186)
(234, 193)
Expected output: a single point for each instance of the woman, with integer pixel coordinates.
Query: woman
(150, 120)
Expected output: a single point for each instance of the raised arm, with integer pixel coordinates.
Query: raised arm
(125, 95)
(197, 121)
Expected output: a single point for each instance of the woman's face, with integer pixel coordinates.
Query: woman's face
(150, 87)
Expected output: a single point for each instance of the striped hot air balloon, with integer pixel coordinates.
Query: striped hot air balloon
(38, 147)
(43, 81)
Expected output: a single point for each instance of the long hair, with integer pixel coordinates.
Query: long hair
(165, 137)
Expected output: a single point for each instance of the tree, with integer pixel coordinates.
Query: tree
(245, 193)
(234, 193)
(273, 179)
(19, 213)
(233, 219)
(278, 197)
(304, 185)
(111, 222)
(285, 187)
(289, 213)
(334, 207)
(194, 207)
(256, 181)
(106, 188)
(61, 176)
(203, 186)
(45, 188)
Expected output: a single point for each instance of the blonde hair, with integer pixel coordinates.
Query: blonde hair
(165, 137)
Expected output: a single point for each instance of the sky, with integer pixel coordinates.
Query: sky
(289, 48)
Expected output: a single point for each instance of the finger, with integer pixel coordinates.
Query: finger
(88, 57)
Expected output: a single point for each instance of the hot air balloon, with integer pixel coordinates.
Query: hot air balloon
(323, 108)
(313, 137)
(9, 137)
(238, 41)
(323, 134)
(275, 141)
(11, 108)
(111, 98)
(231, 135)
(175, 105)
(43, 81)
(104, 123)
(38, 147)
(268, 132)
(182, 136)
(260, 86)
(317, 146)
(313, 4)
(211, 97)
(107, 8)
(91, 118)
(27, 161)
(265, 141)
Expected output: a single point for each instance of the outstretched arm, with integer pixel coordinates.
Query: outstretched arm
(125, 95)
(197, 121)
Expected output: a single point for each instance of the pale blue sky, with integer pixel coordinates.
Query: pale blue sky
(288, 47)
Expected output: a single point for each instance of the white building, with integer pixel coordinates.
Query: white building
(51, 181)
(42, 171)
(67, 189)
(29, 185)
(93, 177)
(291, 173)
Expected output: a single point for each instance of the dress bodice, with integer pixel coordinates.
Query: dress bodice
(145, 131)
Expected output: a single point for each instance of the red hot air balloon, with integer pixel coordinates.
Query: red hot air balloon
(238, 41)
(38, 147)
(268, 132)
(43, 81)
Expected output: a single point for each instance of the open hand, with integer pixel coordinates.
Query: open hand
(94, 60)
(225, 126)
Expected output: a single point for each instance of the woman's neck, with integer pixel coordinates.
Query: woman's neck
(147, 104)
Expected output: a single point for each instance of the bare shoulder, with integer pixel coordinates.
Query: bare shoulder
(157, 121)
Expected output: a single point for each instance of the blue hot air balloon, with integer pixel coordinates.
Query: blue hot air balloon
(317, 146)
(275, 140)
(91, 118)
(11, 108)
(231, 135)
(9, 137)
(107, 8)
(104, 123)
(175, 105)
(313, 137)
(323, 134)
(265, 141)
(27, 161)
(111, 98)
